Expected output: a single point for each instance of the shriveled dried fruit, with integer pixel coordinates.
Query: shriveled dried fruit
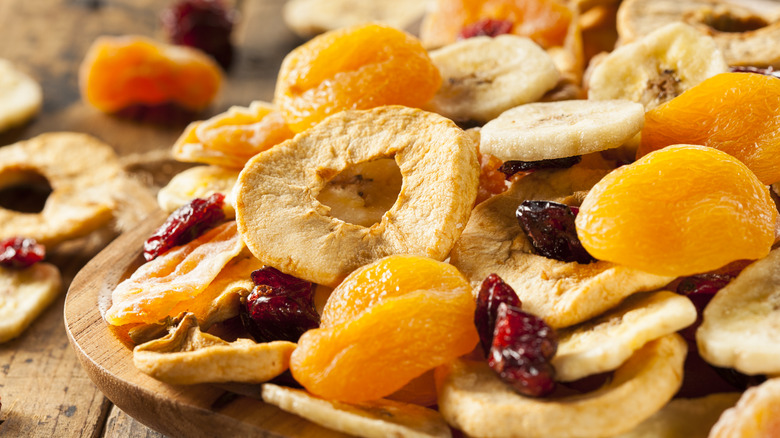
(185, 224)
(512, 167)
(486, 27)
(523, 345)
(280, 307)
(492, 292)
(203, 24)
(769, 71)
(550, 228)
(20, 252)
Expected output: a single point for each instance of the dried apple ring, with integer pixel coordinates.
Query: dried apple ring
(81, 199)
(285, 226)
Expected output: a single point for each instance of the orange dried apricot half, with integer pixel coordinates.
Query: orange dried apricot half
(678, 211)
(388, 323)
(231, 138)
(733, 112)
(119, 72)
(544, 21)
(359, 67)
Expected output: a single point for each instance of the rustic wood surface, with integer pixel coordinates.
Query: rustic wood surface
(44, 390)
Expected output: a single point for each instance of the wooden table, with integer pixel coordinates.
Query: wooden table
(44, 391)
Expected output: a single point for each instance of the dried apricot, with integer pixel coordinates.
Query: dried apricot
(119, 72)
(544, 21)
(359, 67)
(231, 138)
(678, 211)
(733, 112)
(425, 304)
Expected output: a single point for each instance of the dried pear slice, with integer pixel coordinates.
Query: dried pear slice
(563, 294)
(198, 182)
(187, 356)
(25, 294)
(473, 398)
(380, 418)
(81, 199)
(284, 224)
(756, 415)
(685, 418)
(602, 344)
(741, 326)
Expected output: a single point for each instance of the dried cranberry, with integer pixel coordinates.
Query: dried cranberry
(510, 168)
(700, 289)
(185, 224)
(486, 27)
(203, 24)
(523, 345)
(20, 252)
(493, 292)
(280, 307)
(550, 228)
(769, 71)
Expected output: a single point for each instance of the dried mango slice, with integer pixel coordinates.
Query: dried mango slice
(188, 356)
(157, 287)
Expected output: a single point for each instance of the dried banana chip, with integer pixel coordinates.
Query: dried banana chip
(199, 182)
(741, 327)
(563, 294)
(602, 344)
(473, 398)
(21, 96)
(685, 418)
(284, 224)
(187, 356)
(25, 294)
(379, 418)
(82, 196)
(756, 415)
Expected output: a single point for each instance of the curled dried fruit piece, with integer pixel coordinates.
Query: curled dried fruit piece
(523, 345)
(344, 69)
(185, 224)
(280, 307)
(665, 213)
(120, 72)
(20, 252)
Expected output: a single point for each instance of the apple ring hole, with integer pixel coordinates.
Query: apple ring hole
(724, 20)
(24, 190)
(362, 193)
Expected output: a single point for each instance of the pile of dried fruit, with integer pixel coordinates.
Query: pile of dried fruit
(617, 207)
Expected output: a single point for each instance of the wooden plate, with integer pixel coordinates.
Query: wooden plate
(191, 411)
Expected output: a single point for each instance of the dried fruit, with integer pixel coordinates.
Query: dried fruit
(430, 318)
(512, 167)
(359, 67)
(700, 289)
(491, 180)
(203, 24)
(665, 214)
(20, 252)
(486, 27)
(731, 112)
(550, 228)
(185, 224)
(523, 345)
(279, 308)
(769, 71)
(493, 292)
(120, 72)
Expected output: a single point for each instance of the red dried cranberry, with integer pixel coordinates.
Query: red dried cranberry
(550, 228)
(486, 27)
(493, 292)
(185, 224)
(20, 252)
(280, 307)
(512, 167)
(769, 71)
(700, 289)
(203, 24)
(523, 346)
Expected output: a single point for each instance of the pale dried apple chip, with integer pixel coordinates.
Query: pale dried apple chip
(379, 418)
(187, 356)
(25, 294)
(198, 182)
(182, 273)
(284, 224)
(474, 399)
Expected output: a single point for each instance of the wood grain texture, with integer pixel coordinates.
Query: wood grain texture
(186, 411)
